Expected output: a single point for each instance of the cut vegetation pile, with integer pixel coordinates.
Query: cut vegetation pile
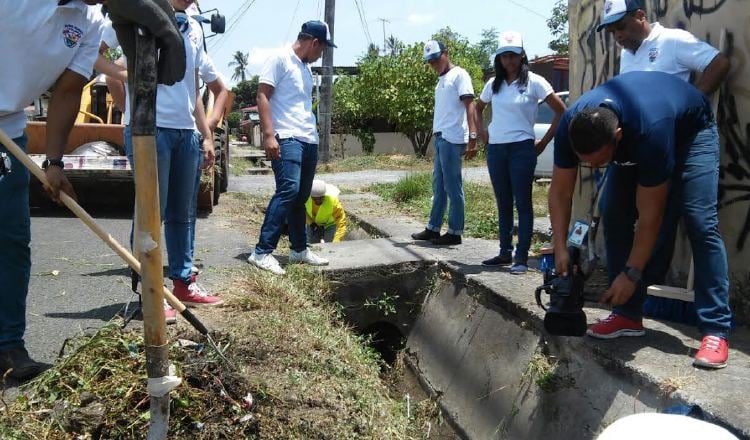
(297, 371)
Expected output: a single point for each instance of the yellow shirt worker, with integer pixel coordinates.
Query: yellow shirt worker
(326, 219)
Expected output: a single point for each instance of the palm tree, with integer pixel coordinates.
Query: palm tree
(239, 63)
(394, 45)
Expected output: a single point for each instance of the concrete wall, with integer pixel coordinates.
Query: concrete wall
(346, 145)
(594, 57)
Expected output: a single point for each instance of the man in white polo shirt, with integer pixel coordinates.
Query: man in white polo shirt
(647, 46)
(454, 127)
(44, 44)
(181, 154)
(290, 138)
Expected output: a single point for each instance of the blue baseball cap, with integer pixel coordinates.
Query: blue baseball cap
(432, 50)
(318, 29)
(614, 10)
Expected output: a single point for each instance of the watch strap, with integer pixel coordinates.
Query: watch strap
(53, 163)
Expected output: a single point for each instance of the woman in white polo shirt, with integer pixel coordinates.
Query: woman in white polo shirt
(514, 93)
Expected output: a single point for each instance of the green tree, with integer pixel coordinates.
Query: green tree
(239, 62)
(246, 92)
(394, 45)
(400, 89)
(487, 46)
(233, 119)
(558, 26)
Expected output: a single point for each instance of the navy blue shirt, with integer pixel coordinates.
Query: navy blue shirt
(659, 114)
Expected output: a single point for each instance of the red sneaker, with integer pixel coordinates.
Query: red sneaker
(614, 326)
(170, 314)
(194, 295)
(713, 353)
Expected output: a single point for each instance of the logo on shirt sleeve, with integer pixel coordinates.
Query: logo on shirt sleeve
(72, 35)
(653, 53)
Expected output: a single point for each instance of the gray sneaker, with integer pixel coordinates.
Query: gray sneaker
(266, 262)
(308, 257)
(518, 269)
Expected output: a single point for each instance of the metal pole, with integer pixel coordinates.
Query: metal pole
(147, 233)
(326, 89)
(384, 21)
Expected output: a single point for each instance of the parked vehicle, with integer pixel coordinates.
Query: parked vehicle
(543, 120)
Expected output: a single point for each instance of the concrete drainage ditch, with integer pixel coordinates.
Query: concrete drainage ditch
(494, 375)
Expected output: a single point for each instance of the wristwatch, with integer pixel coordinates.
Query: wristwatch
(473, 135)
(632, 273)
(53, 163)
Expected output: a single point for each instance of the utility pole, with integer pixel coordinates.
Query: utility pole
(326, 89)
(384, 21)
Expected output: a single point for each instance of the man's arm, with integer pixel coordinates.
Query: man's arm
(714, 74)
(340, 217)
(271, 145)
(202, 124)
(560, 200)
(471, 119)
(650, 202)
(61, 115)
(221, 94)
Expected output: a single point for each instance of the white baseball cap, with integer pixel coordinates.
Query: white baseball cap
(614, 10)
(510, 41)
(318, 188)
(432, 50)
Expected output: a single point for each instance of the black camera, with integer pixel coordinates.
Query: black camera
(565, 316)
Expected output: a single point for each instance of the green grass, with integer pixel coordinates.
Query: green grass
(413, 197)
(386, 162)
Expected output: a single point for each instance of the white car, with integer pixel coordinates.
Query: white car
(543, 120)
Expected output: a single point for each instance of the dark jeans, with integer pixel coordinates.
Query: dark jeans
(294, 173)
(692, 197)
(318, 233)
(15, 255)
(511, 168)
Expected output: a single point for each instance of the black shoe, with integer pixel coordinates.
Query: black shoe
(446, 240)
(498, 260)
(425, 235)
(23, 366)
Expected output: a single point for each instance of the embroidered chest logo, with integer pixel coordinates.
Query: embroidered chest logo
(653, 53)
(72, 35)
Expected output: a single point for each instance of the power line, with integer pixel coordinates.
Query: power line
(241, 11)
(384, 21)
(365, 28)
(294, 15)
(539, 14)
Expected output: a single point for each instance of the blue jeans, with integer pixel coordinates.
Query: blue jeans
(447, 185)
(511, 168)
(15, 255)
(294, 172)
(692, 197)
(178, 160)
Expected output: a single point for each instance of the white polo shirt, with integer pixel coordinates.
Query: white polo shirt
(39, 41)
(450, 113)
(291, 101)
(514, 108)
(175, 104)
(672, 51)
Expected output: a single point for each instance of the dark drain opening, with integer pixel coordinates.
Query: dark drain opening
(386, 339)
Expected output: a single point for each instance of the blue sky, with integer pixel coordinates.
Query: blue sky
(269, 24)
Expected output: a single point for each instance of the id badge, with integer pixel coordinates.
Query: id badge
(577, 236)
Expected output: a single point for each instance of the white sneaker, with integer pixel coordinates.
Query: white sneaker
(308, 257)
(266, 262)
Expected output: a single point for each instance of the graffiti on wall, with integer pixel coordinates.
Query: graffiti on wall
(595, 58)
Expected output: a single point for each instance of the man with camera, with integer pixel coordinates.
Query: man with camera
(658, 137)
